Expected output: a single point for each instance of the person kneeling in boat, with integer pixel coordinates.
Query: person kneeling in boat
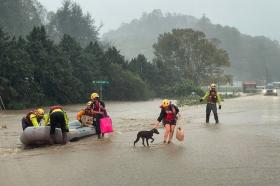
(58, 118)
(168, 115)
(33, 118)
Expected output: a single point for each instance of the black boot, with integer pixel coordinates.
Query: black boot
(64, 137)
(98, 136)
(207, 118)
(52, 139)
(216, 118)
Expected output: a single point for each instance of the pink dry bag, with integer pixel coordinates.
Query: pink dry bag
(106, 125)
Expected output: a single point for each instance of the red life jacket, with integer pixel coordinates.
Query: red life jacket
(96, 105)
(170, 113)
(55, 107)
(213, 97)
(52, 108)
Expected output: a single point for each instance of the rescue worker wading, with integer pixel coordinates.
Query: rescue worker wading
(168, 116)
(57, 118)
(96, 108)
(33, 118)
(212, 97)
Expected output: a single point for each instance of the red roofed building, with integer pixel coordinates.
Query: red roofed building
(249, 86)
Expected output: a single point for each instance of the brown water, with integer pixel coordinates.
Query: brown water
(243, 150)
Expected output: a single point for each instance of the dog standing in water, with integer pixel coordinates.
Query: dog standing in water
(146, 134)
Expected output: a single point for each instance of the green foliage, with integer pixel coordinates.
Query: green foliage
(125, 85)
(35, 71)
(146, 70)
(18, 17)
(251, 57)
(186, 54)
(71, 20)
(188, 100)
(184, 89)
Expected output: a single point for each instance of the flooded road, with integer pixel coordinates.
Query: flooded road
(243, 150)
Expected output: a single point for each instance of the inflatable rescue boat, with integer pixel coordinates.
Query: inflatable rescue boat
(41, 135)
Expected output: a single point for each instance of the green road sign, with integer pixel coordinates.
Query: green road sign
(101, 82)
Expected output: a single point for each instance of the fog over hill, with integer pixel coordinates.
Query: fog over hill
(251, 57)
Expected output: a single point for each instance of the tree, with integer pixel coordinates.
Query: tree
(92, 61)
(185, 54)
(18, 17)
(125, 85)
(71, 20)
(53, 75)
(146, 70)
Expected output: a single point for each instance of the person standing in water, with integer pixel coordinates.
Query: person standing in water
(97, 110)
(212, 97)
(168, 116)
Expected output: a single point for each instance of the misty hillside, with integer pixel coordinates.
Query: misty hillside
(251, 57)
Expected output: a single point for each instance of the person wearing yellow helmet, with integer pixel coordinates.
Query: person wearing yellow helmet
(97, 109)
(212, 97)
(57, 118)
(33, 118)
(94, 96)
(168, 116)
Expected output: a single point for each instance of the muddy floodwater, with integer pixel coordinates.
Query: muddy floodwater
(244, 149)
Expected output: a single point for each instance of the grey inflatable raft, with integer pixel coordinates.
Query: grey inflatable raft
(76, 131)
(41, 135)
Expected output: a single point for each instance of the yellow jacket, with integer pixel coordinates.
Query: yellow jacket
(34, 120)
(47, 117)
(207, 94)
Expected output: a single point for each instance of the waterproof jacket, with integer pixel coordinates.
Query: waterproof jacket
(47, 120)
(98, 106)
(212, 96)
(80, 113)
(168, 114)
(32, 119)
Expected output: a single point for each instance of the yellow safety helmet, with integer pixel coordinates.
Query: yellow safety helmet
(40, 112)
(94, 95)
(165, 103)
(213, 85)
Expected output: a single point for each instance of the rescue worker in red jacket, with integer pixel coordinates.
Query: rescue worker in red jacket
(212, 97)
(57, 118)
(168, 116)
(97, 109)
(33, 118)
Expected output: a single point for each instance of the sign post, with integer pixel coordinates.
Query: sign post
(101, 83)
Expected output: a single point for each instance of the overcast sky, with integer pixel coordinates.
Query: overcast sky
(253, 17)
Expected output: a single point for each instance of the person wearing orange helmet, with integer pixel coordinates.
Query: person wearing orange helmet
(212, 97)
(168, 117)
(33, 118)
(97, 109)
